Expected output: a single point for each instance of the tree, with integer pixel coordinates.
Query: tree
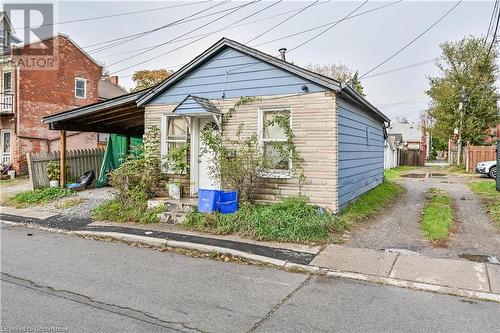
(339, 72)
(148, 78)
(467, 72)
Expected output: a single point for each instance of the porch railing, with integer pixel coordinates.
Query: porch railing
(6, 101)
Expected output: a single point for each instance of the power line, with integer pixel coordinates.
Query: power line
(190, 43)
(402, 68)
(184, 34)
(186, 19)
(486, 59)
(490, 25)
(209, 33)
(285, 20)
(413, 40)
(326, 24)
(112, 15)
(327, 29)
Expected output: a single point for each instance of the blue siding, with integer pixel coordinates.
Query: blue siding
(361, 152)
(190, 106)
(246, 76)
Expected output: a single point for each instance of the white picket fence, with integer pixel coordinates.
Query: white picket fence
(79, 161)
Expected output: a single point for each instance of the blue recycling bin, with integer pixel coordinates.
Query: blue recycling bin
(228, 202)
(207, 200)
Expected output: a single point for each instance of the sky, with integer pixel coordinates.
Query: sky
(360, 42)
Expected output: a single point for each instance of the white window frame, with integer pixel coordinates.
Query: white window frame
(80, 79)
(7, 101)
(273, 173)
(164, 134)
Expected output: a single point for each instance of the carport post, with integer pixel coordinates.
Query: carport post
(63, 159)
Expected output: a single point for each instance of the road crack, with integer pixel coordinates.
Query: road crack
(113, 308)
(277, 306)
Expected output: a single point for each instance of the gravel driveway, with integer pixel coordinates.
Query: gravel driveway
(91, 198)
(399, 226)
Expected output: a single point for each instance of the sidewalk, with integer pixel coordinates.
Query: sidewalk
(449, 276)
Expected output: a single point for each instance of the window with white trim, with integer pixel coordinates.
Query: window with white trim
(80, 87)
(175, 131)
(272, 137)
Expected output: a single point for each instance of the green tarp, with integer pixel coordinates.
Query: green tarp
(116, 150)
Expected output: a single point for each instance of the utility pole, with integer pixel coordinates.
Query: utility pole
(461, 107)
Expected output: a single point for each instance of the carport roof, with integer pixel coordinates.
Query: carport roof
(119, 115)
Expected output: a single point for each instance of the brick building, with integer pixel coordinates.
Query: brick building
(41, 79)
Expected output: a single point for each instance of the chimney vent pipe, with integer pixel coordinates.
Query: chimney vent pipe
(282, 53)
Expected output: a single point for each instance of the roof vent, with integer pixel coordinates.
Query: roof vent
(282, 53)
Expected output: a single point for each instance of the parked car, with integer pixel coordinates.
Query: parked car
(487, 168)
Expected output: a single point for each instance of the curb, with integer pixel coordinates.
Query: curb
(299, 267)
(281, 264)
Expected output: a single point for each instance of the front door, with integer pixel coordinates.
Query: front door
(5, 147)
(205, 181)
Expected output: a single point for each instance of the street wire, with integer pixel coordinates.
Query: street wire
(283, 21)
(326, 24)
(202, 37)
(186, 19)
(184, 34)
(413, 40)
(112, 15)
(327, 29)
(210, 33)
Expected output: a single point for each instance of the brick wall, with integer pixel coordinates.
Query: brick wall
(46, 92)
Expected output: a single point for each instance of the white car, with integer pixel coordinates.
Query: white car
(487, 168)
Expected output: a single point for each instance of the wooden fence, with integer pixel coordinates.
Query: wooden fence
(78, 162)
(475, 154)
(411, 157)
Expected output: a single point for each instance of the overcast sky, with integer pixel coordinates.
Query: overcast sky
(360, 42)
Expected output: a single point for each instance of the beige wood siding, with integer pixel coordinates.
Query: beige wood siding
(314, 124)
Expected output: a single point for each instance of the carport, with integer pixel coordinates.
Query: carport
(119, 115)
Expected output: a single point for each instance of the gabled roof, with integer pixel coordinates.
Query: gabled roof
(195, 105)
(61, 35)
(319, 79)
(107, 89)
(3, 15)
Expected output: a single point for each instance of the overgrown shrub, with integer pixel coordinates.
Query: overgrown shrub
(236, 162)
(290, 220)
(139, 174)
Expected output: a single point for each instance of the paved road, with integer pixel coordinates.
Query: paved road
(63, 282)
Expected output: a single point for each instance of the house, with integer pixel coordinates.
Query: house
(40, 79)
(410, 136)
(339, 134)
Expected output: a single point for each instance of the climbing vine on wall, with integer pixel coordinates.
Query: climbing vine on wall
(239, 161)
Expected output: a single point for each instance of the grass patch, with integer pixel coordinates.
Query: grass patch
(369, 203)
(116, 211)
(292, 219)
(395, 173)
(437, 218)
(10, 182)
(39, 196)
(69, 203)
(460, 169)
(486, 189)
